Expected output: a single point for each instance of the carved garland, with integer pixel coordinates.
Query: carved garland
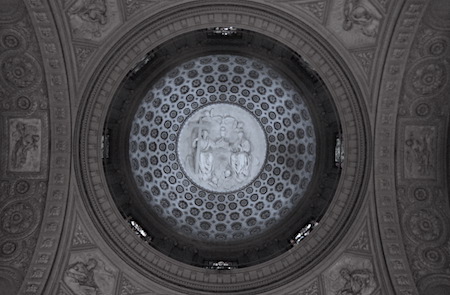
(98, 95)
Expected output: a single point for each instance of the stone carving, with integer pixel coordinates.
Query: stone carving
(420, 152)
(22, 187)
(350, 275)
(79, 237)
(384, 4)
(363, 14)
(227, 147)
(83, 54)
(133, 6)
(21, 71)
(316, 8)
(362, 242)
(25, 145)
(428, 77)
(357, 282)
(424, 225)
(18, 218)
(89, 273)
(365, 58)
(128, 288)
(438, 15)
(93, 19)
(313, 289)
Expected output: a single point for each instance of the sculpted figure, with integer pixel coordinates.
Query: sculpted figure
(240, 158)
(363, 13)
(203, 162)
(358, 282)
(25, 142)
(90, 10)
(80, 277)
(222, 142)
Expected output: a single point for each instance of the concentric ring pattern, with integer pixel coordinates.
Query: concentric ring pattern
(222, 147)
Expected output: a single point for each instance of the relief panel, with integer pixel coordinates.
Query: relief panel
(350, 275)
(89, 273)
(93, 19)
(25, 138)
(419, 145)
(355, 22)
(26, 147)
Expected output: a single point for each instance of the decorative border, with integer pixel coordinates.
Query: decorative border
(60, 134)
(385, 132)
(130, 49)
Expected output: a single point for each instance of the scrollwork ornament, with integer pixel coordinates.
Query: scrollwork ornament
(428, 77)
(425, 225)
(19, 218)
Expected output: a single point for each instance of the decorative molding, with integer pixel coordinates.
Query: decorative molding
(385, 133)
(59, 161)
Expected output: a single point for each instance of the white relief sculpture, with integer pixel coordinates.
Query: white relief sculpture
(363, 14)
(203, 157)
(221, 155)
(240, 158)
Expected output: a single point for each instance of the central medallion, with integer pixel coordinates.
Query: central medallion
(221, 147)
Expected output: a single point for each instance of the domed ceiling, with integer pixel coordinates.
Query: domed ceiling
(218, 147)
(222, 148)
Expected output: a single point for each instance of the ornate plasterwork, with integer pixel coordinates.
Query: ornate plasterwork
(355, 22)
(422, 124)
(93, 19)
(100, 93)
(314, 8)
(413, 228)
(24, 119)
(351, 275)
(45, 114)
